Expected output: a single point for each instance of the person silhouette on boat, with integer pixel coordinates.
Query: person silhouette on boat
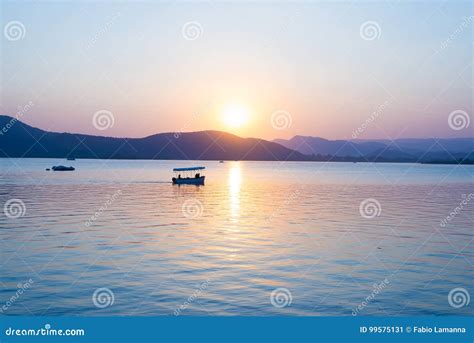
(190, 176)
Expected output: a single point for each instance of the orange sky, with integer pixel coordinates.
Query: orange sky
(321, 69)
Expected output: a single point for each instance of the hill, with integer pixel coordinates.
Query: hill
(18, 139)
(399, 150)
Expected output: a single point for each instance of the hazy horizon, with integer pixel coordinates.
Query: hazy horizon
(268, 70)
(271, 139)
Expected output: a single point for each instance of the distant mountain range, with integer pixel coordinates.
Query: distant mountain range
(18, 139)
(400, 150)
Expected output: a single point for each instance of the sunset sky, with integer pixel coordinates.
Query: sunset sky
(322, 67)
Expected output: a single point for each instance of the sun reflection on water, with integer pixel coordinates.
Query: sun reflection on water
(235, 180)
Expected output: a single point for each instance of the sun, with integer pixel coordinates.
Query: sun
(235, 115)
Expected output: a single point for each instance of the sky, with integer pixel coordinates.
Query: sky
(269, 69)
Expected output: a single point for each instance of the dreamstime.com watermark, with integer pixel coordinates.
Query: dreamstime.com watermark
(189, 124)
(289, 20)
(103, 208)
(22, 287)
(103, 30)
(197, 293)
(459, 29)
(293, 195)
(458, 209)
(373, 116)
(377, 288)
(46, 331)
(22, 110)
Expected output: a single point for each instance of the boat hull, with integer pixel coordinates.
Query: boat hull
(189, 181)
(63, 168)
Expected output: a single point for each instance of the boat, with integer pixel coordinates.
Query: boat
(62, 168)
(221, 161)
(188, 176)
(71, 159)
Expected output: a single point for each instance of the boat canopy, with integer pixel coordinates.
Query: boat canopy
(188, 169)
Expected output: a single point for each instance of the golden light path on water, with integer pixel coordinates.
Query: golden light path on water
(235, 180)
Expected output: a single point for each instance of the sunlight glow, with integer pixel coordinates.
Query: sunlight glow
(235, 115)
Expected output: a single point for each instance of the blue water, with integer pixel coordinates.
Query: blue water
(260, 238)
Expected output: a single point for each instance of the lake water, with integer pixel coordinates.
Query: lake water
(260, 238)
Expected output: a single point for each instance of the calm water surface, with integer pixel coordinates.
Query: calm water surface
(223, 248)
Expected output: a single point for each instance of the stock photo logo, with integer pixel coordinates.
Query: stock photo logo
(14, 31)
(370, 30)
(103, 120)
(103, 297)
(281, 297)
(192, 208)
(370, 208)
(192, 30)
(281, 120)
(459, 120)
(459, 297)
(14, 208)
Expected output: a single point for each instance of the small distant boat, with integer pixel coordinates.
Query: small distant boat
(62, 168)
(71, 159)
(188, 176)
(221, 161)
